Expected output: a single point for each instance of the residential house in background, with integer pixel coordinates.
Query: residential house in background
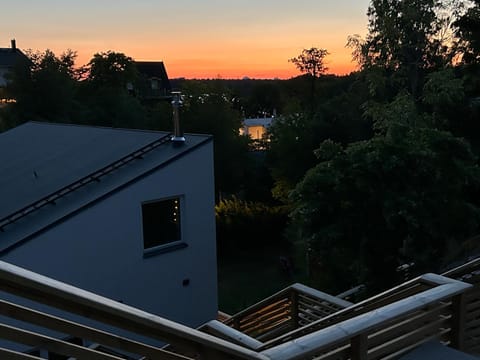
(115, 212)
(9, 58)
(256, 128)
(153, 82)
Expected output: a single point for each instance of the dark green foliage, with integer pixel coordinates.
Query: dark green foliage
(467, 29)
(45, 89)
(111, 69)
(374, 205)
(295, 136)
(210, 111)
(404, 39)
(249, 225)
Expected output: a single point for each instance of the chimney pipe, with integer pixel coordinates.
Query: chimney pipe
(14, 45)
(177, 137)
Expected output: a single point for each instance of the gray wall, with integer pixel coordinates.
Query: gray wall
(101, 248)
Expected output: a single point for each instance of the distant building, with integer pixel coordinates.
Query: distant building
(9, 59)
(256, 128)
(115, 212)
(153, 82)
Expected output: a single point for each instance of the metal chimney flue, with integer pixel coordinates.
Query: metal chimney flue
(177, 137)
(14, 45)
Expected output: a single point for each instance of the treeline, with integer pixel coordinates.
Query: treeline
(375, 170)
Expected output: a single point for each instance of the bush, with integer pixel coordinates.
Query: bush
(241, 224)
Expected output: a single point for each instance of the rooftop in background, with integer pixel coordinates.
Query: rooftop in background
(256, 128)
(9, 58)
(155, 83)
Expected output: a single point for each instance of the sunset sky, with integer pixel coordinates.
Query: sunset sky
(195, 39)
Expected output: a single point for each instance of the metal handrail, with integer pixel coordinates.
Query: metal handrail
(95, 176)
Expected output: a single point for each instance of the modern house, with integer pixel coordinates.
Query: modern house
(9, 58)
(153, 82)
(126, 214)
(256, 128)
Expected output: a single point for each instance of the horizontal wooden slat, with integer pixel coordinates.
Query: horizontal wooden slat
(6, 354)
(415, 335)
(265, 320)
(309, 316)
(472, 305)
(51, 344)
(285, 302)
(282, 296)
(320, 303)
(408, 324)
(323, 308)
(406, 349)
(340, 352)
(267, 326)
(84, 332)
(283, 307)
(280, 328)
(47, 291)
(473, 324)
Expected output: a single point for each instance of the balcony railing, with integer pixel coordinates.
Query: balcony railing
(385, 326)
(189, 343)
(470, 273)
(289, 309)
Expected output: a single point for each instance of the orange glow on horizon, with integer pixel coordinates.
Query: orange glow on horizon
(195, 39)
(229, 68)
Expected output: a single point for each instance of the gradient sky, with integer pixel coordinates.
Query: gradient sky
(195, 38)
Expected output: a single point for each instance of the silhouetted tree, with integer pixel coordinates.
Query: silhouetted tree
(468, 32)
(403, 38)
(111, 69)
(44, 89)
(105, 92)
(312, 63)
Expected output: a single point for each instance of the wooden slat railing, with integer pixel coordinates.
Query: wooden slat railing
(403, 291)
(384, 326)
(470, 273)
(288, 309)
(385, 332)
(46, 291)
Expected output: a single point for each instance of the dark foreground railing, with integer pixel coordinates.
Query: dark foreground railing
(385, 326)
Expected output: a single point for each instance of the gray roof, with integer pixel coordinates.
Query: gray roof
(38, 159)
(265, 122)
(9, 57)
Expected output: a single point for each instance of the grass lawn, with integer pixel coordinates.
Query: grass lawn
(246, 277)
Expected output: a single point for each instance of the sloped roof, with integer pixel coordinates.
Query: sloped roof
(152, 69)
(9, 57)
(39, 159)
(265, 122)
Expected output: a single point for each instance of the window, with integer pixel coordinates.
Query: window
(155, 84)
(161, 222)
